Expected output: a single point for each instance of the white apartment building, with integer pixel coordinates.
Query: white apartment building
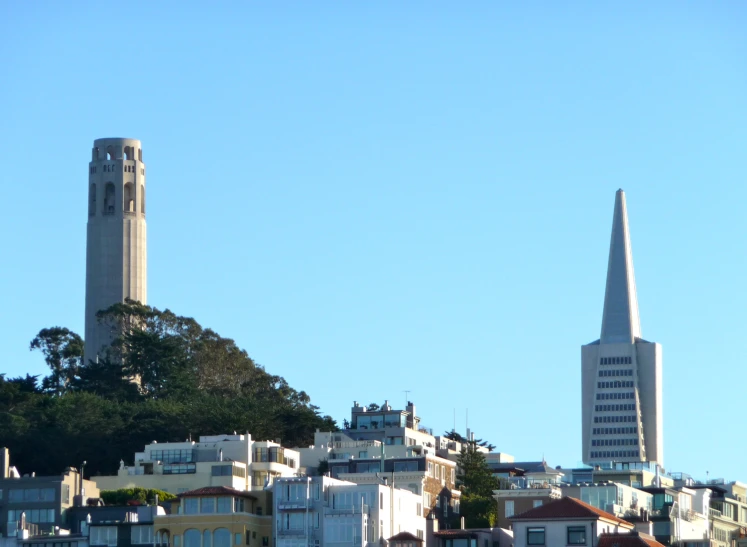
(235, 461)
(322, 511)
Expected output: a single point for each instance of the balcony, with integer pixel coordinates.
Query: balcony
(715, 513)
(353, 510)
(296, 505)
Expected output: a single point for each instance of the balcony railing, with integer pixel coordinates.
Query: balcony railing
(353, 510)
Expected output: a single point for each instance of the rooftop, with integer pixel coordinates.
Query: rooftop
(568, 508)
(634, 539)
(216, 491)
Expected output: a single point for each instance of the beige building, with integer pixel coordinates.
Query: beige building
(217, 517)
(233, 461)
(116, 265)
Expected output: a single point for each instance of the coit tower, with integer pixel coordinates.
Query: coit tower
(115, 249)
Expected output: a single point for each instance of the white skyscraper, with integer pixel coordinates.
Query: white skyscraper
(115, 247)
(621, 373)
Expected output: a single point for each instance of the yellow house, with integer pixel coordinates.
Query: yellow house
(217, 516)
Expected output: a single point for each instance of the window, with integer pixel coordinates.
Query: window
(192, 538)
(142, 535)
(237, 539)
(207, 506)
(221, 538)
(206, 537)
(509, 508)
(191, 506)
(104, 535)
(456, 507)
(535, 536)
(179, 469)
(185, 455)
(577, 535)
(536, 503)
(406, 466)
(225, 505)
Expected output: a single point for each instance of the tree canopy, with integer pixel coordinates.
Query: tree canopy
(165, 377)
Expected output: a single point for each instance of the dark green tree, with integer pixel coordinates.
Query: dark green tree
(63, 353)
(476, 481)
(124, 496)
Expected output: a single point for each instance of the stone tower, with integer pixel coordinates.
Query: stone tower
(115, 250)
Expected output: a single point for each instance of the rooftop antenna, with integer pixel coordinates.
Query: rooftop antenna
(407, 396)
(454, 428)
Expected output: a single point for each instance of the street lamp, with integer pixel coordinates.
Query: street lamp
(82, 489)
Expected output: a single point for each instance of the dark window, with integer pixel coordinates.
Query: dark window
(577, 535)
(535, 536)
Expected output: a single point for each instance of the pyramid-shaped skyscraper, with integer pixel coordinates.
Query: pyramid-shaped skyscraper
(621, 373)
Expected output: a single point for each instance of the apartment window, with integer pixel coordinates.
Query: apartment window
(222, 471)
(104, 535)
(576, 535)
(179, 469)
(65, 493)
(406, 466)
(363, 454)
(381, 500)
(142, 535)
(191, 506)
(207, 505)
(225, 505)
(419, 510)
(456, 507)
(186, 455)
(535, 536)
(509, 508)
(237, 539)
(536, 503)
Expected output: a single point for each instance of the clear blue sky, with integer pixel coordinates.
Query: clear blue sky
(384, 196)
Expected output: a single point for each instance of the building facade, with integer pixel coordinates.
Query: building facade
(323, 511)
(621, 373)
(234, 461)
(116, 265)
(216, 517)
(38, 504)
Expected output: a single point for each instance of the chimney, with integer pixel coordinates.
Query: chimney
(5, 462)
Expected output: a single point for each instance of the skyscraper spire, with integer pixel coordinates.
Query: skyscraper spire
(620, 321)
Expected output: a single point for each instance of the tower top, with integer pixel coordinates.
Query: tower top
(620, 320)
(116, 148)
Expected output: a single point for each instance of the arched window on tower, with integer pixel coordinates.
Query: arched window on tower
(128, 153)
(92, 200)
(139, 154)
(142, 198)
(109, 199)
(129, 198)
(95, 155)
(110, 152)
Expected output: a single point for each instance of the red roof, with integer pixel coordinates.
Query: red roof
(216, 491)
(404, 536)
(628, 540)
(568, 508)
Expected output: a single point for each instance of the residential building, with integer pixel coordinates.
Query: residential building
(116, 259)
(216, 516)
(235, 461)
(726, 504)
(113, 526)
(513, 500)
(391, 427)
(525, 474)
(41, 501)
(621, 373)
(430, 477)
(566, 521)
(322, 511)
